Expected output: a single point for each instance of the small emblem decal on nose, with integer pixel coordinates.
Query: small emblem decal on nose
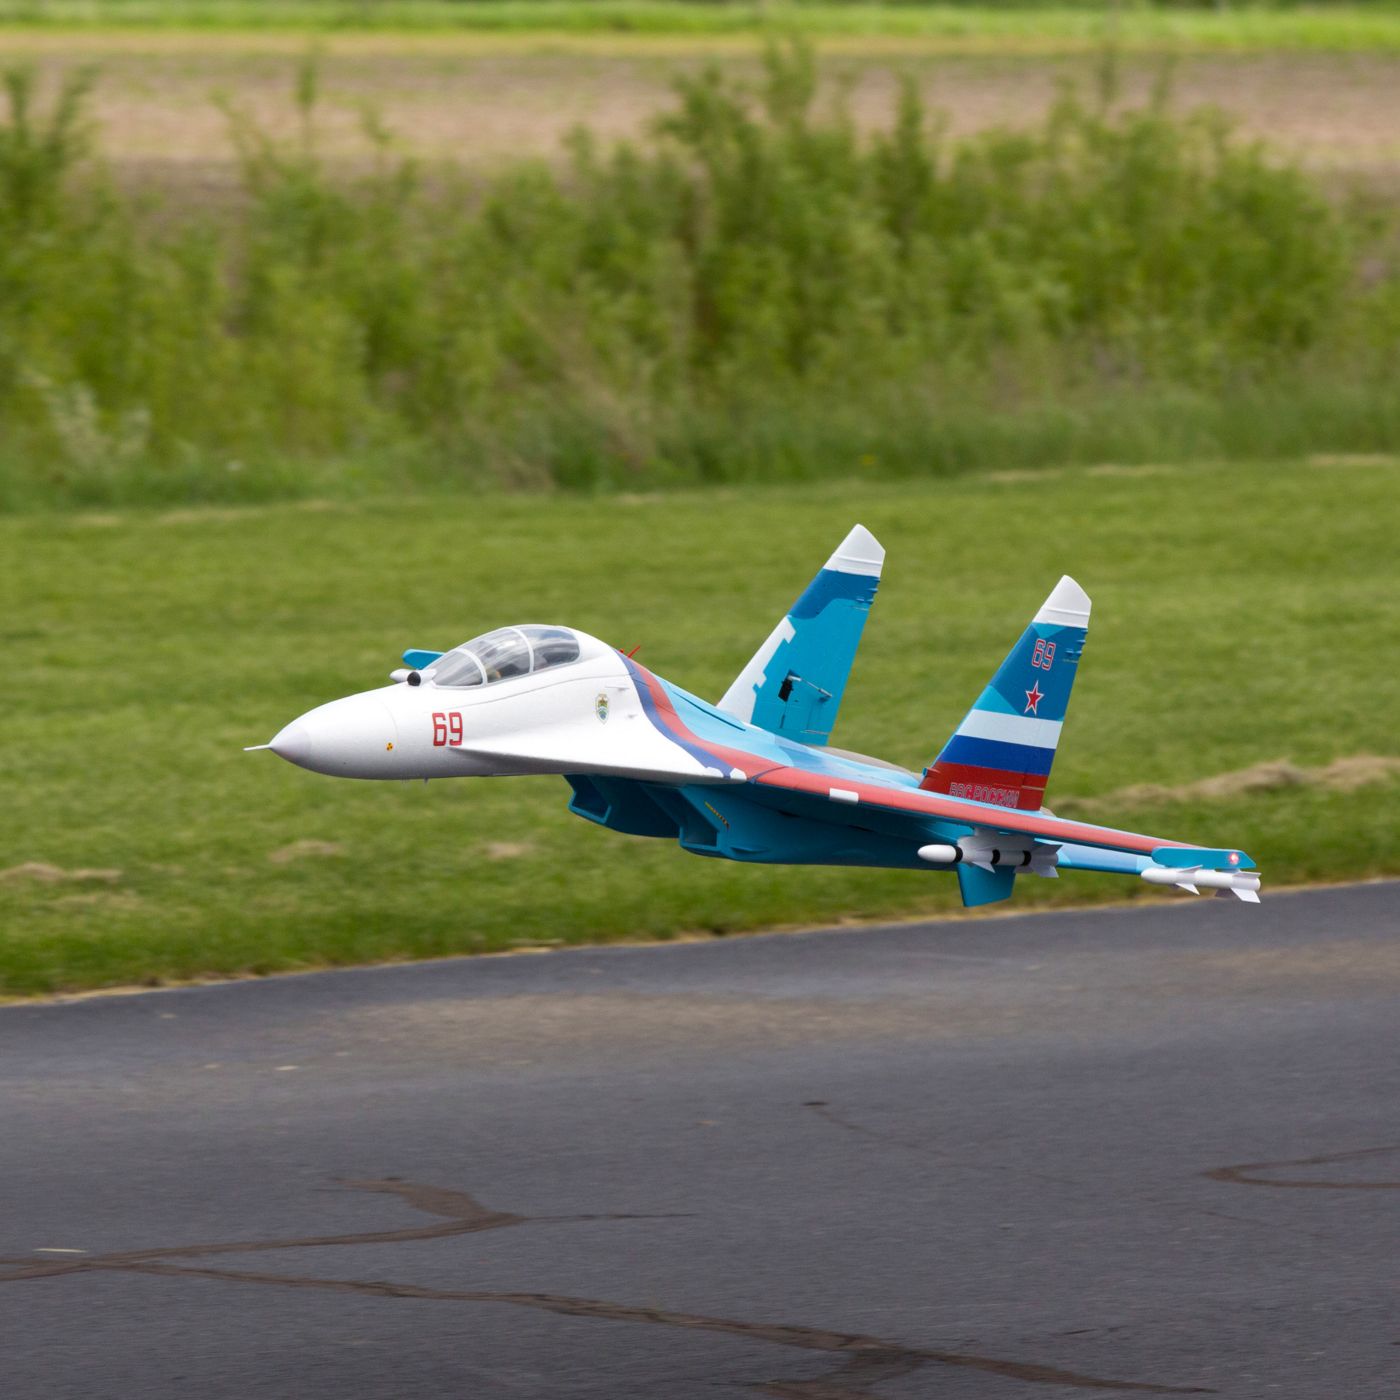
(600, 708)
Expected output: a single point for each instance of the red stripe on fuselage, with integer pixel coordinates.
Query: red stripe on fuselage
(750, 765)
(915, 800)
(956, 809)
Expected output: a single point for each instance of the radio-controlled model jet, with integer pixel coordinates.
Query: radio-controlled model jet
(753, 777)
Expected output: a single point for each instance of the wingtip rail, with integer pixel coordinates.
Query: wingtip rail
(1243, 884)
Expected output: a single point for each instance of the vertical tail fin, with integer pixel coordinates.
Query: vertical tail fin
(794, 683)
(1003, 749)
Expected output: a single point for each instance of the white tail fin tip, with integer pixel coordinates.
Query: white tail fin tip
(859, 553)
(1067, 606)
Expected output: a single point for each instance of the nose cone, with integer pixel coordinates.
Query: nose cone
(351, 738)
(293, 743)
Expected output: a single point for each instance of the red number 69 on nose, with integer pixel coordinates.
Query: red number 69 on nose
(447, 728)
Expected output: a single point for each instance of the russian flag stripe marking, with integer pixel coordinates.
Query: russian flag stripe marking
(989, 753)
(1011, 729)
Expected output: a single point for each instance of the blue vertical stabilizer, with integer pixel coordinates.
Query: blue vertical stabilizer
(794, 683)
(1003, 749)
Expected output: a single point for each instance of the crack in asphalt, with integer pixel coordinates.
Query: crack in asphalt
(850, 1381)
(464, 1216)
(822, 1109)
(1242, 1174)
(866, 1360)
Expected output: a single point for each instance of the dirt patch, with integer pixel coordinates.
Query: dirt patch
(305, 850)
(206, 515)
(237, 515)
(506, 850)
(109, 901)
(1341, 775)
(41, 873)
(1361, 770)
(1353, 459)
(1114, 469)
(1017, 476)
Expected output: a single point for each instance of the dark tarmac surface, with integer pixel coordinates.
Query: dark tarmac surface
(1154, 1151)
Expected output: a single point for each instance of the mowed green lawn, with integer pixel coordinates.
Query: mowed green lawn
(1241, 614)
(974, 27)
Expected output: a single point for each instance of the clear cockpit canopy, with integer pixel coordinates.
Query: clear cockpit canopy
(504, 653)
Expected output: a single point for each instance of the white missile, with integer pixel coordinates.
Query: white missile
(940, 855)
(990, 849)
(1243, 884)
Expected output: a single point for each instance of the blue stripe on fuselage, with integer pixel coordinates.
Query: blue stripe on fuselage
(701, 755)
(994, 753)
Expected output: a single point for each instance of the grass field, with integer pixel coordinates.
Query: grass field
(1239, 684)
(1243, 616)
(966, 28)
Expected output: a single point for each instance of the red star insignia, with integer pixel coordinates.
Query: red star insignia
(1033, 698)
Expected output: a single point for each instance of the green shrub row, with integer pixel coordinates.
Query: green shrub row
(755, 291)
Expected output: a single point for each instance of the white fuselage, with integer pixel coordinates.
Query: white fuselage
(583, 717)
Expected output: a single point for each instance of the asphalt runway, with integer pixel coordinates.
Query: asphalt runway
(1153, 1151)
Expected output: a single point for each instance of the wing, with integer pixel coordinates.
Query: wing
(989, 845)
